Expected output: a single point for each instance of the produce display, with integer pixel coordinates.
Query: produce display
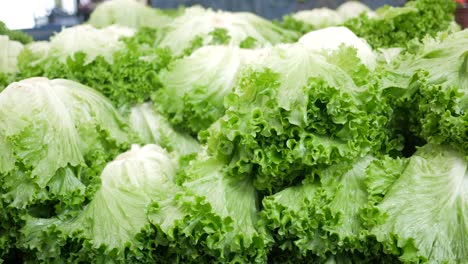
(204, 136)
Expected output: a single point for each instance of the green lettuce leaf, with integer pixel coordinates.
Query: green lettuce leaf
(153, 128)
(398, 26)
(346, 189)
(333, 38)
(53, 151)
(194, 87)
(93, 42)
(305, 21)
(295, 217)
(6, 79)
(15, 35)
(10, 50)
(327, 219)
(290, 23)
(108, 227)
(434, 85)
(351, 9)
(321, 218)
(128, 13)
(37, 51)
(54, 147)
(318, 17)
(10, 223)
(298, 114)
(197, 27)
(221, 215)
(423, 216)
(126, 76)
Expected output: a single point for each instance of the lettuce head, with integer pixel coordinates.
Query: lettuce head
(129, 13)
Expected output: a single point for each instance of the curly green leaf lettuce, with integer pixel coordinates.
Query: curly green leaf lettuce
(107, 227)
(55, 146)
(221, 215)
(126, 72)
(433, 88)
(194, 87)
(398, 26)
(298, 114)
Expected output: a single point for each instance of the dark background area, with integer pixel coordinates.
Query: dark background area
(271, 9)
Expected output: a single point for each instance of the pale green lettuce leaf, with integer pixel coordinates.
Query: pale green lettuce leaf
(130, 13)
(332, 38)
(124, 69)
(295, 64)
(92, 41)
(16, 35)
(154, 128)
(351, 9)
(129, 183)
(59, 125)
(319, 17)
(442, 57)
(318, 218)
(325, 17)
(348, 196)
(110, 224)
(197, 22)
(293, 111)
(214, 217)
(9, 51)
(194, 87)
(327, 216)
(36, 52)
(434, 89)
(55, 139)
(54, 149)
(230, 228)
(424, 214)
(388, 55)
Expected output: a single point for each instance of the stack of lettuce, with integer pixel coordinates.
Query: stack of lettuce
(203, 136)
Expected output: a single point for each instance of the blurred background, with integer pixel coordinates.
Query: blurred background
(41, 18)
